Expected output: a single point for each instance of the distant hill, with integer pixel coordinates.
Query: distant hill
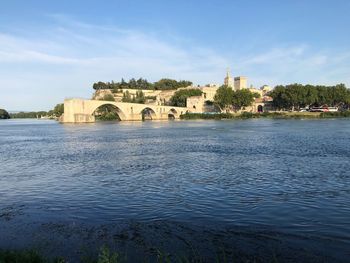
(4, 114)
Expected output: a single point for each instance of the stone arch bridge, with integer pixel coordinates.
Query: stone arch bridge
(82, 111)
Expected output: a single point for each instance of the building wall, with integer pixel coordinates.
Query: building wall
(209, 92)
(240, 83)
(254, 90)
(195, 104)
(254, 107)
(265, 89)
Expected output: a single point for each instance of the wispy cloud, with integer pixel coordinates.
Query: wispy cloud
(64, 58)
(71, 56)
(298, 63)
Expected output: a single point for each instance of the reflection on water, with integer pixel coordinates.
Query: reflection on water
(253, 188)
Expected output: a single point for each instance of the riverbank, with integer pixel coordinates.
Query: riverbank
(274, 115)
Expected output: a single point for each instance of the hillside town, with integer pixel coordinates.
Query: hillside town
(202, 102)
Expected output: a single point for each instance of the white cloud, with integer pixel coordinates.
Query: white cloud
(64, 59)
(300, 63)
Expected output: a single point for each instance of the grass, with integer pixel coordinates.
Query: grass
(337, 114)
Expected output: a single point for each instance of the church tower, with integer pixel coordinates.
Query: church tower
(228, 81)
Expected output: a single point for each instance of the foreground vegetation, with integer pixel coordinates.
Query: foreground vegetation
(274, 115)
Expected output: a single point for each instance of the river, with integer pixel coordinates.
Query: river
(258, 189)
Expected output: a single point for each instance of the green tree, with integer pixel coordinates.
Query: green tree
(223, 98)
(168, 84)
(108, 97)
(99, 85)
(140, 97)
(296, 96)
(58, 110)
(126, 97)
(163, 84)
(243, 98)
(310, 96)
(4, 114)
(28, 115)
(340, 95)
(179, 98)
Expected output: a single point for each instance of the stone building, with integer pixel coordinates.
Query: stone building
(240, 82)
(195, 104)
(209, 92)
(204, 103)
(228, 81)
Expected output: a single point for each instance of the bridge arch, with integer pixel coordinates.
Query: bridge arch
(148, 113)
(172, 114)
(108, 107)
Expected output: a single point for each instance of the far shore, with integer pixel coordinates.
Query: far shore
(240, 115)
(274, 115)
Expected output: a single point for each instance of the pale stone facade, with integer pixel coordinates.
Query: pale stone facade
(83, 111)
(228, 81)
(198, 103)
(240, 82)
(195, 104)
(209, 92)
(265, 89)
(254, 90)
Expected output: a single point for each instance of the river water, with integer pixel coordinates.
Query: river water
(242, 190)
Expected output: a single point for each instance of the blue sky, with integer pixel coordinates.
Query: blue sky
(52, 50)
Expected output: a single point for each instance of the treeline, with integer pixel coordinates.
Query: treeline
(56, 112)
(28, 115)
(296, 96)
(163, 84)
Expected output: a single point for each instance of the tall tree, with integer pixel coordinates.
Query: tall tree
(223, 98)
(296, 96)
(243, 98)
(58, 110)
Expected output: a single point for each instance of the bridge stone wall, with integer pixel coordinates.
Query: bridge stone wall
(82, 111)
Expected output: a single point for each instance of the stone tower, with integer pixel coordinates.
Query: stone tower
(228, 81)
(240, 82)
